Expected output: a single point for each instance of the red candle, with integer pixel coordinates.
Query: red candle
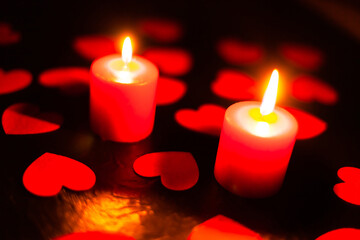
(255, 146)
(122, 96)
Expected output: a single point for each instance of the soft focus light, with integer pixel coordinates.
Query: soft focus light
(268, 102)
(262, 129)
(126, 50)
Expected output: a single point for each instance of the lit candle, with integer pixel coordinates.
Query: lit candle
(122, 96)
(255, 146)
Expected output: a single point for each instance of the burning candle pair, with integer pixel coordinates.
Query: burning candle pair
(122, 96)
(255, 146)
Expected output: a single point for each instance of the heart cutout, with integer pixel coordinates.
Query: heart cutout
(26, 118)
(207, 119)
(309, 89)
(178, 170)
(8, 35)
(349, 189)
(94, 46)
(309, 126)
(341, 233)
(94, 235)
(14, 80)
(70, 80)
(221, 227)
(302, 56)
(169, 90)
(170, 61)
(161, 30)
(50, 172)
(234, 85)
(237, 52)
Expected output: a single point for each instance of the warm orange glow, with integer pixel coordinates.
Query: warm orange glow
(126, 51)
(269, 99)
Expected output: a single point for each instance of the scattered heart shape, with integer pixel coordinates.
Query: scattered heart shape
(170, 61)
(93, 235)
(302, 56)
(94, 46)
(237, 52)
(308, 89)
(178, 170)
(169, 90)
(349, 190)
(341, 233)
(14, 80)
(221, 227)
(309, 125)
(208, 119)
(8, 35)
(234, 85)
(71, 80)
(50, 172)
(26, 118)
(161, 30)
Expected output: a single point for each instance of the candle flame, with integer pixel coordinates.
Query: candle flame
(126, 51)
(269, 99)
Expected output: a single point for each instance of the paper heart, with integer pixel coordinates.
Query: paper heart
(309, 126)
(8, 35)
(178, 170)
(233, 85)
(349, 189)
(341, 234)
(221, 227)
(94, 46)
(71, 80)
(14, 80)
(302, 56)
(237, 52)
(171, 61)
(93, 235)
(50, 172)
(208, 119)
(169, 90)
(308, 89)
(26, 118)
(161, 30)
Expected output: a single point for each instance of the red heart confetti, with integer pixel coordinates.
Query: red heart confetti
(50, 172)
(93, 235)
(94, 46)
(208, 119)
(171, 61)
(302, 56)
(8, 35)
(161, 30)
(308, 89)
(14, 80)
(221, 227)
(349, 190)
(233, 85)
(26, 118)
(71, 80)
(178, 170)
(309, 125)
(341, 233)
(237, 52)
(169, 90)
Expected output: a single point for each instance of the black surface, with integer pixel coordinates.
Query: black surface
(305, 208)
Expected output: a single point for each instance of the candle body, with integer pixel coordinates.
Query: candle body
(252, 160)
(122, 108)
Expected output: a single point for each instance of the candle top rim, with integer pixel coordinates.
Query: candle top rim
(238, 115)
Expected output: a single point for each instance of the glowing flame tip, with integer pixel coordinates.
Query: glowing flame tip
(269, 99)
(126, 51)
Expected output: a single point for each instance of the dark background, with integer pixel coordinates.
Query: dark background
(306, 206)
